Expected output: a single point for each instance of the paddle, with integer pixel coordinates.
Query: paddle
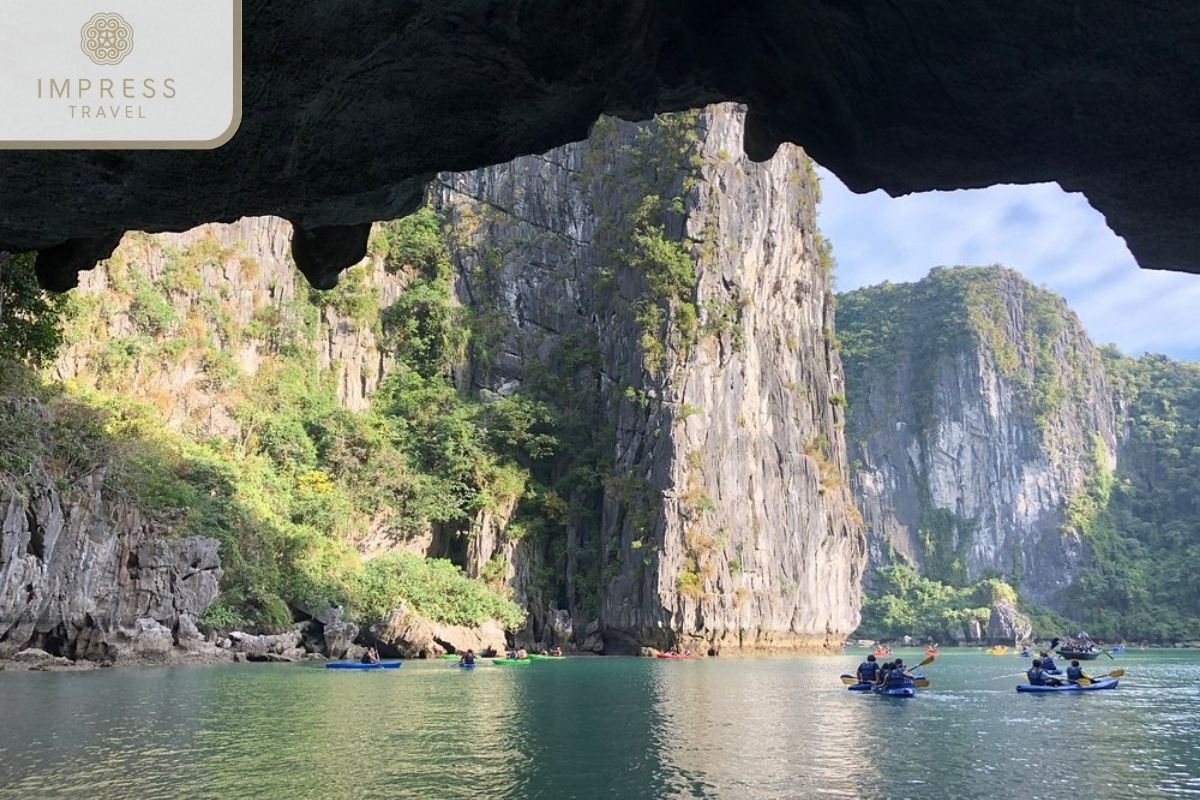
(1116, 673)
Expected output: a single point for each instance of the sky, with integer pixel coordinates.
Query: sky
(1055, 238)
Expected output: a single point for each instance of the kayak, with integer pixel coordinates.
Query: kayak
(360, 665)
(860, 687)
(510, 662)
(1117, 650)
(907, 690)
(1094, 686)
(1026, 654)
(930, 653)
(996, 651)
(461, 665)
(675, 655)
(450, 657)
(881, 653)
(536, 657)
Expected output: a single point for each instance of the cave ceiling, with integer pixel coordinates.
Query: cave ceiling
(351, 107)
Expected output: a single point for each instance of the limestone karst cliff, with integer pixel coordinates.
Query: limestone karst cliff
(681, 294)
(980, 421)
(84, 572)
(602, 380)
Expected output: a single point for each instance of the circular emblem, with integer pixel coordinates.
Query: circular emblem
(106, 38)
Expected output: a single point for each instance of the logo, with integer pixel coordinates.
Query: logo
(70, 78)
(106, 38)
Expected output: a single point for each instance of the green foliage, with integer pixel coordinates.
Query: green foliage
(1143, 554)
(945, 538)
(904, 603)
(951, 311)
(151, 311)
(29, 317)
(690, 584)
(434, 587)
(670, 274)
(355, 298)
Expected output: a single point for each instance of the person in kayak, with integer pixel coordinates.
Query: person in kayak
(1037, 675)
(896, 676)
(1048, 662)
(467, 659)
(884, 671)
(371, 656)
(868, 670)
(1075, 672)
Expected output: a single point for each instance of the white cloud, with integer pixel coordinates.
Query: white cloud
(1056, 239)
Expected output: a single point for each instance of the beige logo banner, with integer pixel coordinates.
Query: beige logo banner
(128, 74)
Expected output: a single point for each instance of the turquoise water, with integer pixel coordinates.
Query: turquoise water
(598, 727)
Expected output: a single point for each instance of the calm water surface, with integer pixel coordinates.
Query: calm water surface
(598, 727)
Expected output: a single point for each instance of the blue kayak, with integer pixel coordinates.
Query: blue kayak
(360, 665)
(907, 690)
(1094, 686)
(461, 665)
(860, 687)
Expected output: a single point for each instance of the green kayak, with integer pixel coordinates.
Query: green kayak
(536, 657)
(509, 662)
(451, 657)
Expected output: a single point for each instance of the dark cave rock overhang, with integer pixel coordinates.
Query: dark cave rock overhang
(348, 114)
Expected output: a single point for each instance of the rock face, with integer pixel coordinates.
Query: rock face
(409, 635)
(905, 97)
(669, 298)
(980, 421)
(718, 409)
(85, 575)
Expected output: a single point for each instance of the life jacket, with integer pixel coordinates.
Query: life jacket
(1037, 677)
(868, 670)
(1048, 664)
(1074, 673)
(897, 677)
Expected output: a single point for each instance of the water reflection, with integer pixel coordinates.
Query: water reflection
(633, 728)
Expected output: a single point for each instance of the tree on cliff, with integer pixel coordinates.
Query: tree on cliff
(29, 316)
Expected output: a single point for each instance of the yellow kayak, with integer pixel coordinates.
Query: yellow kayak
(996, 651)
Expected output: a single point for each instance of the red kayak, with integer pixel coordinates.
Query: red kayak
(676, 655)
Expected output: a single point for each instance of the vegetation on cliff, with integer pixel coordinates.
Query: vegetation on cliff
(303, 477)
(1140, 581)
(904, 603)
(1137, 523)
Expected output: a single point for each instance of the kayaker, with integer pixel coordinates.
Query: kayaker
(1037, 675)
(468, 658)
(868, 670)
(522, 654)
(557, 651)
(897, 676)
(1075, 672)
(371, 656)
(881, 678)
(1048, 662)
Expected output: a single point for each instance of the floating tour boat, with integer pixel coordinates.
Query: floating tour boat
(1088, 653)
